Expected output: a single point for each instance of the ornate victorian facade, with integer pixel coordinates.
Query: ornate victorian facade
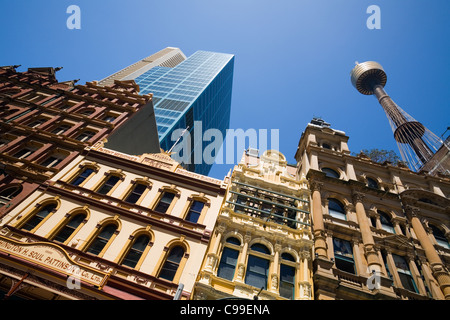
(262, 243)
(45, 124)
(119, 226)
(380, 231)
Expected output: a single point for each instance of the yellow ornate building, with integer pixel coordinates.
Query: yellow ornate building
(380, 231)
(262, 243)
(110, 226)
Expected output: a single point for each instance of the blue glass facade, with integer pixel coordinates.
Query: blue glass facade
(197, 89)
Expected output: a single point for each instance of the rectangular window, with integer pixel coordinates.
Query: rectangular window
(108, 185)
(195, 211)
(257, 271)
(165, 202)
(51, 162)
(136, 193)
(22, 154)
(343, 255)
(287, 281)
(82, 176)
(227, 264)
(86, 135)
(404, 273)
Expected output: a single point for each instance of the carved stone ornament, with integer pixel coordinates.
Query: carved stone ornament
(315, 185)
(358, 196)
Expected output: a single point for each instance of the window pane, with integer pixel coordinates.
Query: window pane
(102, 239)
(227, 264)
(168, 271)
(287, 256)
(343, 255)
(287, 281)
(233, 240)
(108, 185)
(407, 282)
(170, 267)
(68, 229)
(176, 254)
(195, 211)
(257, 270)
(38, 217)
(260, 248)
(136, 193)
(330, 173)
(134, 254)
(83, 175)
(336, 209)
(165, 202)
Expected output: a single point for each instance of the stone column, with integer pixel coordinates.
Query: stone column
(433, 285)
(304, 284)
(393, 269)
(366, 234)
(356, 254)
(213, 253)
(437, 267)
(320, 244)
(416, 274)
(274, 275)
(241, 264)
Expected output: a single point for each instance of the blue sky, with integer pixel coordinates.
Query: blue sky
(292, 58)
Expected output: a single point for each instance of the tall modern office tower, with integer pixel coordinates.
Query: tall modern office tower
(196, 90)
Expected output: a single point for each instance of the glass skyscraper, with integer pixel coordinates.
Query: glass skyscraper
(196, 89)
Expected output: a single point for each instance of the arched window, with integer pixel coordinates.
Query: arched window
(372, 183)
(195, 210)
(39, 215)
(257, 267)
(164, 202)
(82, 176)
(386, 223)
(8, 194)
(288, 257)
(67, 230)
(136, 251)
(234, 241)
(440, 237)
(102, 238)
(331, 173)
(172, 263)
(336, 209)
(326, 146)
